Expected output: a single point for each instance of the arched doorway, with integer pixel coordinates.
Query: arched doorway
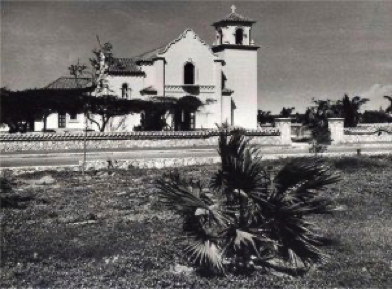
(185, 113)
(184, 120)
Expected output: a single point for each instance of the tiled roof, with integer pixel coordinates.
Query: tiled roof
(234, 17)
(124, 66)
(70, 83)
(149, 55)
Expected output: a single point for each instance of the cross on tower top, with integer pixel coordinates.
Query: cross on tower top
(233, 8)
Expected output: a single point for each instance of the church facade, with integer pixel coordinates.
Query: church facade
(223, 76)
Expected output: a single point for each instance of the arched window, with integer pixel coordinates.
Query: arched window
(239, 36)
(189, 73)
(125, 90)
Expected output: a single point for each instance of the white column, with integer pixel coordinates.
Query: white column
(226, 109)
(215, 109)
(336, 126)
(159, 66)
(284, 125)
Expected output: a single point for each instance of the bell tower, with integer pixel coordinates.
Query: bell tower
(234, 44)
(233, 29)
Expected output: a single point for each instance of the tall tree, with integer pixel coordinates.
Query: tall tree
(100, 110)
(102, 105)
(264, 117)
(351, 109)
(375, 116)
(20, 109)
(316, 118)
(286, 112)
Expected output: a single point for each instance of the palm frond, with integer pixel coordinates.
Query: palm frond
(216, 213)
(231, 145)
(201, 246)
(205, 252)
(186, 200)
(306, 193)
(242, 238)
(313, 173)
(216, 181)
(285, 224)
(247, 242)
(241, 168)
(178, 198)
(242, 172)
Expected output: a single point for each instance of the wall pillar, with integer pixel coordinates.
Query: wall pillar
(216, 108)
(226, 110)
(336, 126)
(159, 66)
(284, 125)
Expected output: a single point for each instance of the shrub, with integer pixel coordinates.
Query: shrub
(246, 216)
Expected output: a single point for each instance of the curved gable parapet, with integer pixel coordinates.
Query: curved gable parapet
(187, 33)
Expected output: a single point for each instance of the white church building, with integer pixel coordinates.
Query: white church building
(223, 74)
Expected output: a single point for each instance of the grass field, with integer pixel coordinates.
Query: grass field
(110, 232)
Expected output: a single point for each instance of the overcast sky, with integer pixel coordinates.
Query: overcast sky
(308, 49)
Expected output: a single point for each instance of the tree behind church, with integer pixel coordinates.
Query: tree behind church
(101, 105)
(20, 109)
(100, 110)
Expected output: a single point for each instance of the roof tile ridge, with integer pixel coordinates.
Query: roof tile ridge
(149, 51)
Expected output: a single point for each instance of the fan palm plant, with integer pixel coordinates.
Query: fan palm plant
(245, 216)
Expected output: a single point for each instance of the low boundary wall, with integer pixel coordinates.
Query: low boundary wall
(362, 134)
(269, 136)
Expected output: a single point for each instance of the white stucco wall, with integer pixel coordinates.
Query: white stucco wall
(189, 49)
(52, 122)
(214, 110)
(77, 123)
(150, 79)
(123, 123)
(226, 110)
(135, 83)
(241, 73)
